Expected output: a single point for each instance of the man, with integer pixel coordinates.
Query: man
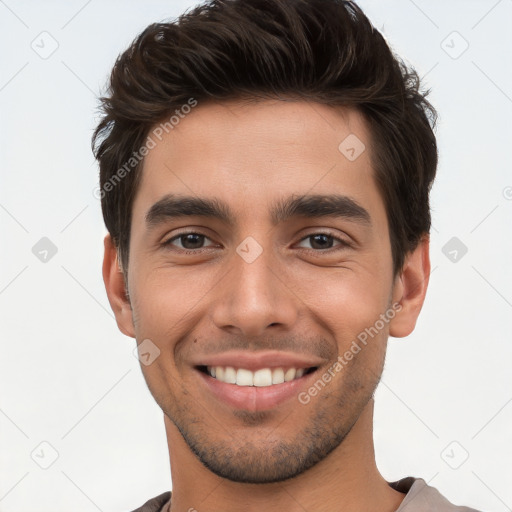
(265, 168)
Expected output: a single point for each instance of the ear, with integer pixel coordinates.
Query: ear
(116, 289)
(410, 289)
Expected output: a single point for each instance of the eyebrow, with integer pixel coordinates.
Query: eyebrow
(312, 206)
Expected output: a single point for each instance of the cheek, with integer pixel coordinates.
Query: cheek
(163, 301)
(347, 301)
(349, 307)
(167, 306)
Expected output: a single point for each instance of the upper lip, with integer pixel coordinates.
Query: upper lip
(260, 359)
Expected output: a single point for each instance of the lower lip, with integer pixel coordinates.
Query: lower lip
(253, 398)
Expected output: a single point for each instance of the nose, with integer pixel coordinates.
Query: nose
(255, 295)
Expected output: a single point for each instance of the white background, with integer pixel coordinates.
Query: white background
(69, 378)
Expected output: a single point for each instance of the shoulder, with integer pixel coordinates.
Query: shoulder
(155, 504)
(421, 497)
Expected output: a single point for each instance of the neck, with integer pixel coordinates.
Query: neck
(347, 480)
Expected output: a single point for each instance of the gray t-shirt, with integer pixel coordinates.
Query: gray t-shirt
(419, 497)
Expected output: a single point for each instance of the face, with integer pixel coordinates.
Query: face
(259, 253)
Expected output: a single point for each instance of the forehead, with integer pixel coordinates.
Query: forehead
(249, 154)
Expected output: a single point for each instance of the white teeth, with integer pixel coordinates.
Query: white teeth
(260, 378)
(290, 374)
(230, 375)
(263, 377)
(278, 376)
(244, 377)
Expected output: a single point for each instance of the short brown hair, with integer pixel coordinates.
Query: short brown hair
(319, 50)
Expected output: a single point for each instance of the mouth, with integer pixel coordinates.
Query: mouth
(256, 381)
(253, 381)
(261, 378)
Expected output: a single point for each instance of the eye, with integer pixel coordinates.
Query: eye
(193, 242)
(190, 241)
(323, 241)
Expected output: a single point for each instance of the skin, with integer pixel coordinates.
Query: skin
(319, 456)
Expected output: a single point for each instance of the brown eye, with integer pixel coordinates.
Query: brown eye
(189, 241)
(324, 241)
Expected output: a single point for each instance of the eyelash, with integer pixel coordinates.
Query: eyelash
(343, 243)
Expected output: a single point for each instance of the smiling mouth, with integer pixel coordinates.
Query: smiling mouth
(264, 377)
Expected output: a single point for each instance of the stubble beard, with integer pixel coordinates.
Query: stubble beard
(279, 455)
